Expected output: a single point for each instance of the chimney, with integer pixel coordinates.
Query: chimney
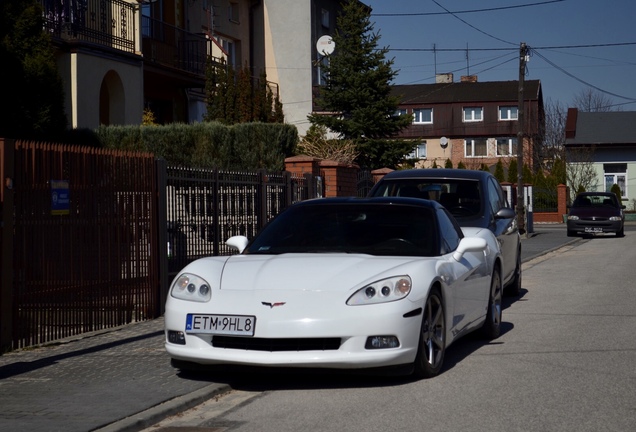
(469, 78)
(445, 78)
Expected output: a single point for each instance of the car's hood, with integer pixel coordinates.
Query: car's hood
(309, 272)
(588, 212)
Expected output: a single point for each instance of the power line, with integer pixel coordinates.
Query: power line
(534, 50)
(468, 11)
(551, 47)
(472, 26)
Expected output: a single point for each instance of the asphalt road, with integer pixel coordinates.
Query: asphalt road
(564, 362)
(574, 323)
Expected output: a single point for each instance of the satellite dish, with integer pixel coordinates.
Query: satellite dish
(325, 45)
(443, 142)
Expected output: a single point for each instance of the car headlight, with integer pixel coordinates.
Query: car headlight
(573, 217)
(615, 218)
(382, 291)
(191, 287)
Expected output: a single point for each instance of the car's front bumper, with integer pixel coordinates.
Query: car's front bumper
(324, 318)
(594, 226)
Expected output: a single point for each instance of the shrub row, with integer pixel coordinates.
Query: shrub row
(245, 146)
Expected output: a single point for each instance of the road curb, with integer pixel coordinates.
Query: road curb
(154, 415)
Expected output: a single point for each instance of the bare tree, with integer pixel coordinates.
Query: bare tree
(554, 134)
(590, 100)
(580, 172)
(316, 144)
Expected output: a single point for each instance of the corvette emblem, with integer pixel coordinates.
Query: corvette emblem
(271, 305)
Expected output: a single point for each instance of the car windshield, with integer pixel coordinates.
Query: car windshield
(595, 201)
(461, 197)
(384, 230)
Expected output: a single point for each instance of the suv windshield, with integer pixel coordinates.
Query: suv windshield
(462, 197)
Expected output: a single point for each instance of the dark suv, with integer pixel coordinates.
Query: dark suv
(474, 198)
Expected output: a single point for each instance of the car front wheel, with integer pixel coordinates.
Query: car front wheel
(492, 326)
(432, 344)
(514, 288)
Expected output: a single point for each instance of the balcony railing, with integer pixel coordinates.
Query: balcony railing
(173, 47)
(103, 22)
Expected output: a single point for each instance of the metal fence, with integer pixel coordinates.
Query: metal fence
(78, 234)
(91, 238)
(365, 183)
(206, 207)
(544, 200)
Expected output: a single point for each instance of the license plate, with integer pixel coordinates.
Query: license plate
(593, 230)
(239, 325)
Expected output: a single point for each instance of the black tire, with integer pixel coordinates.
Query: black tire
(432, 346)
(571, 233)
(621, 233)
(514, 288)
(492, 326)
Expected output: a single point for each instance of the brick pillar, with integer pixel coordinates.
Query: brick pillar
(379, 173)
(302, 164)
(340, 179)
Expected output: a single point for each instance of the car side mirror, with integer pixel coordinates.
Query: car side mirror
(237, 242)
(469, 244)
(505, 213)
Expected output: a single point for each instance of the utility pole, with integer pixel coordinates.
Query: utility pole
(523, 52)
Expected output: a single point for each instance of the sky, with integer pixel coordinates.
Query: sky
(575, 45)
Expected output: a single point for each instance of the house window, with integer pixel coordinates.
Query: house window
(233, 12)
(324, 18)
(616, 174)
(508, 113)
(423, 115)
(400, 112)
(476, 147)
(473, 114)
(507, 146)
(419, 152)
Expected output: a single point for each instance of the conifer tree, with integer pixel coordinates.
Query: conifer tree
(499, 172)
(235, 97)
(358, 91)
(30, 85)
(512, 171)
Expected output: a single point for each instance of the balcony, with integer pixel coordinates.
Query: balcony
(109, 23)
(172, 47)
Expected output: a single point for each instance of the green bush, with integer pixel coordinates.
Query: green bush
(616, 190)
(244, 146)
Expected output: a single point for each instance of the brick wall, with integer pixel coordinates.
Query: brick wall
(339, 179)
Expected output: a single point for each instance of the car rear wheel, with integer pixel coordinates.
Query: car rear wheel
(432, 345)
(492, 326)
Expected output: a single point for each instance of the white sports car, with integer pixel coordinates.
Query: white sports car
(340, 283)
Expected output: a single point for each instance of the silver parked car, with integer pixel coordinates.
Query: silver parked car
(474, 198)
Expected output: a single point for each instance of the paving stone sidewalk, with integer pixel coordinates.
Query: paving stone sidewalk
(120, 377)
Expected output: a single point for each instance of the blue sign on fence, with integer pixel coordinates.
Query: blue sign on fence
(60, 198)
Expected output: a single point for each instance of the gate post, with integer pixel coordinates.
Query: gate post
(162, 231)
(261, 211)
(7, 166)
